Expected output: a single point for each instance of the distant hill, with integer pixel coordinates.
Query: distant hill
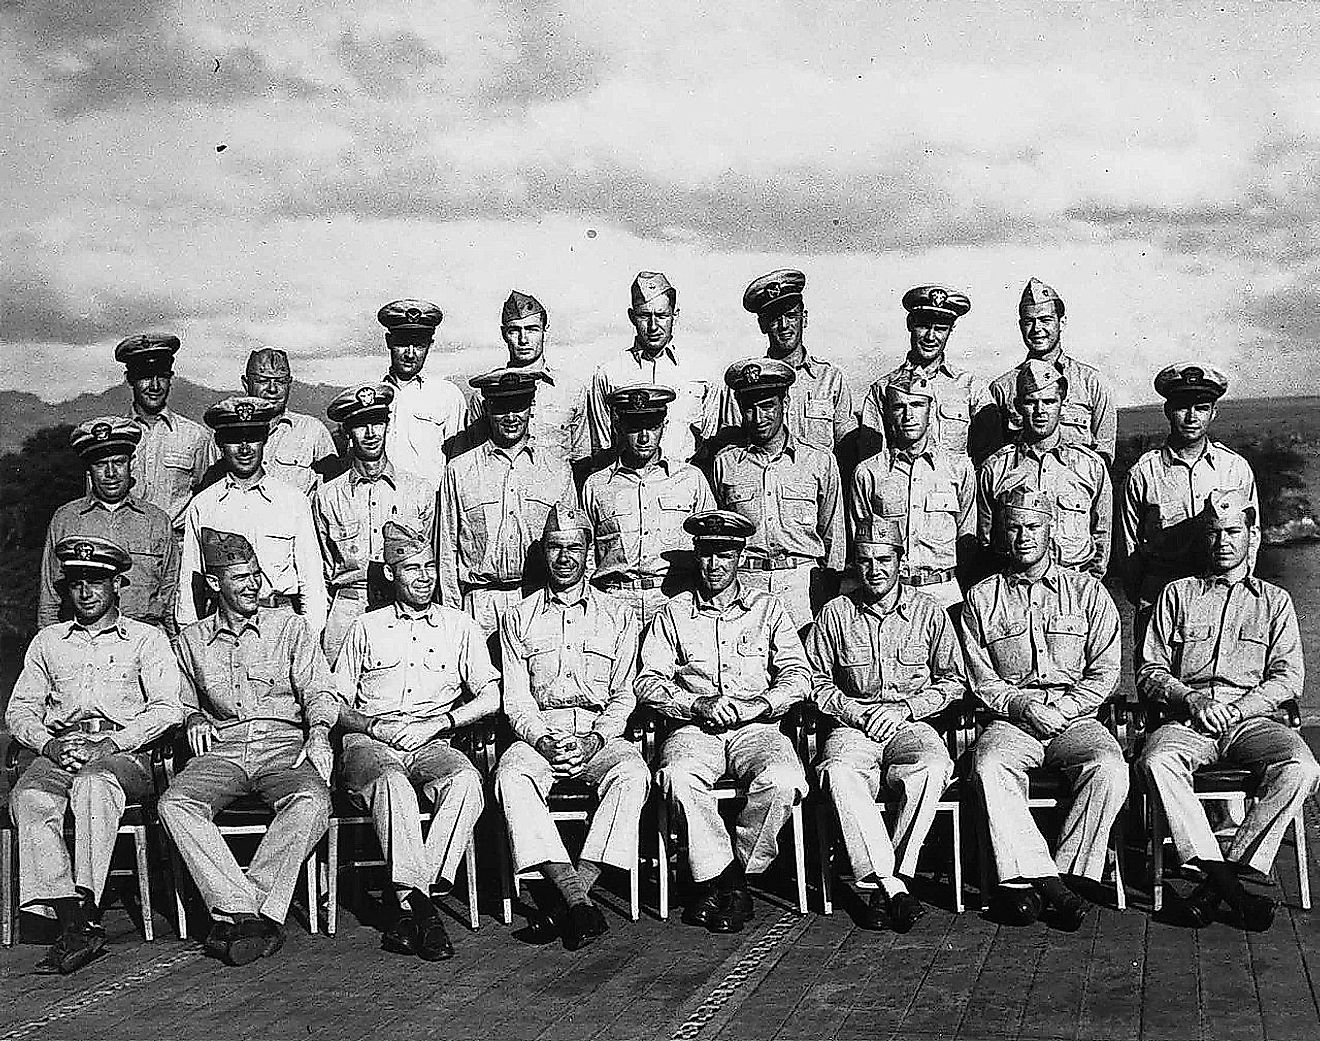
(1239, 419)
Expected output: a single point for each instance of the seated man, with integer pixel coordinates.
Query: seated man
(570, 655)
(726, 663)
(1221, 654)
(1042, 651)
(92, 694)
(401, 675)
(883, 659)
(260, 706)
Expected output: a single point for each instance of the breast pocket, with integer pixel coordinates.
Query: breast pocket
(1193, 645)
(818, 423)
(598, 656)
(1066, 636)
(265, 675)
(275, 554)
(1074, 520)
(344, 535)
(907, 670)
(799, 504)
(1252, 646)
(954, 419)
(1076, 420)
(1010, 649)
(148, 570)
(179, 471)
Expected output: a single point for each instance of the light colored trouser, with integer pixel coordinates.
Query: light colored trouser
(487, 606)
(384, 778)
(791, 585)
(343, 610)
(853, 769)
(97, 794)
(622, 781)
(761, 759)
(1287, 772)
(1093, 764)
(248, 758)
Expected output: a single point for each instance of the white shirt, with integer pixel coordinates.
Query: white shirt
(425, 413)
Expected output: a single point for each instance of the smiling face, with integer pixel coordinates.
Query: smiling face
(92, 594)
(1041, 332)
(111, 477)
(525, 338)
(762, 416)
(784, 330)
(640, 438)
(1027, 537)
(566, 558)
(151, 390)
(929, 334)
(242, 457)
(366, 441)
(413, 579)
(717, 564)
(509, 417)
(238, 586)
(272, 388)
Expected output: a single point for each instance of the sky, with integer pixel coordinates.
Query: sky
(246, 173)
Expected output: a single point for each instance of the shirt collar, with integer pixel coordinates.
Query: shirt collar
(1249, 580)
(790, 447)
(941, 366)
(216, 626)
(667, 352)
(90, 502)
(1210, 454)
(283, 419)
(430, 614)
(230, 483)
(390, 377)
(165, 414)
(902, 604)
(701, 606)
(118, 628)
(927, 453)
(528, 446)
(1050, 577)
(549, 597)
(1052, 444)
(356, 477)
(617, 467)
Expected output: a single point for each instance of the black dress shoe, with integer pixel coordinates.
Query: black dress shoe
(1197, 908)
(540, 929)
(708, 905)
(736, 913)
(904, 910)
(1068, 914)
(401, 936)
(432, 941)
(875, 913)
(583, 925)
(217, 940)
(275, 934)
(247, 941)
(1255, 912)
(1015, 905)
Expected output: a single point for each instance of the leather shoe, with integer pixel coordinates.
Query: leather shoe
(275, 934)
(875, 914)
(248, 941)
(1015, 905)
(735, 914)
(432, 941)
(74, 949)
(904, 910)
(401, 936)
(708, 905)
(583, 925)
(217, 940)
(1255, 912)
(1197, 908)
(1068, 914)
(540, 929)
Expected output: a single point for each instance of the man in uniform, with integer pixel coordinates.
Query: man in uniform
(175, 452)
(1222, 653)
(570, 656)
(820, 408)
(93, 693)
(725, 663)
(111, 511)
(1042, 652)
(274, 517)
(927, 489)
(350, 512)
(427, 410)
(1039, 458)
(558, 422)
(884, 659)
(787, 489)
(402, 675)
(637, 506)
(493, 504)
(931, 314)
(260, 704)
(652, 359)
(1167, 487)
(1089, 418)
(300, 450)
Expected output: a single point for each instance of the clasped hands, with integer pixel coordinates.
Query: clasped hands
(568, 753)
(715, 712)
(1212, 717)
(1043, 721)
(75, 750)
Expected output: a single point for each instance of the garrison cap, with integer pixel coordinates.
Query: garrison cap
(509, 382)
(878, 531)
(639, 399)
(268, 361)
(775, 292)
(241, 411)
(147, 349)
(909, 382)
(412, 319)
(521, 305)
(1038, 299)
(1190, 379)
(366, 403)
(755, 375)
(650, 284)
(105, 436)
(1027, 500)
(1034, 375)
(402, 542)
(92, 553)
(940, 301)
(567, 518)
(1227, 505)
(225, 549)
(720, 524)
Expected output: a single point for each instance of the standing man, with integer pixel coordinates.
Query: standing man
(275, 518)
(725, 663)
(652, 360)
(928, 491)
(1089, 418)
(1042, 653)
(93, 693)
(558, 422)
(787, 489)
(427, 410)
(820, 408)
(350, 512)
(493, 504)
(931, 314)
(175, 452)
(1167, 487)
(260, 704)
(570, 656)
(300, 450)
(638, 504)
(1070, 474)
(109, 510)
(883, 660)
(402, 676)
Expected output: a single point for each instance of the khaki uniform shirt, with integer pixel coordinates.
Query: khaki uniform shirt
(638, 518)
(693, 415)
(271, 669)
(748, 650)
(1236, 642)
(1052, 641)
(568, 664)
(820, 406)
(951, 412)
(170, 461)
(142, 529)
(793, 498)
(426, 412)
(905, 653)
(558, 422)
(1089, 418)
(126, 674)
(298, 451)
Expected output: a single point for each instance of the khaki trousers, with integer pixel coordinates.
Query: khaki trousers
(1283, 765)
(97, 794)
(763, 762)
(254, 758)
(1093, 764)
(915, 763)
(622, 781)
(386, 780)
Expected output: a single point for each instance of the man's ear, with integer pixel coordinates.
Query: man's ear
(388, 571)
(212, 583)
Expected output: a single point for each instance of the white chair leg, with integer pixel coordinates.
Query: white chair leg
(313, 893)
(662, 853)
(8, 898)
(144, 881)
(1303, 859)
(1156, 855)
(799, 857)
(635, 892)
(470, 870)
(332, 877)
(1120, 890)
(956, 824)
(177, 883)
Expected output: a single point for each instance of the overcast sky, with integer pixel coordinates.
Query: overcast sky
(1159, 165)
